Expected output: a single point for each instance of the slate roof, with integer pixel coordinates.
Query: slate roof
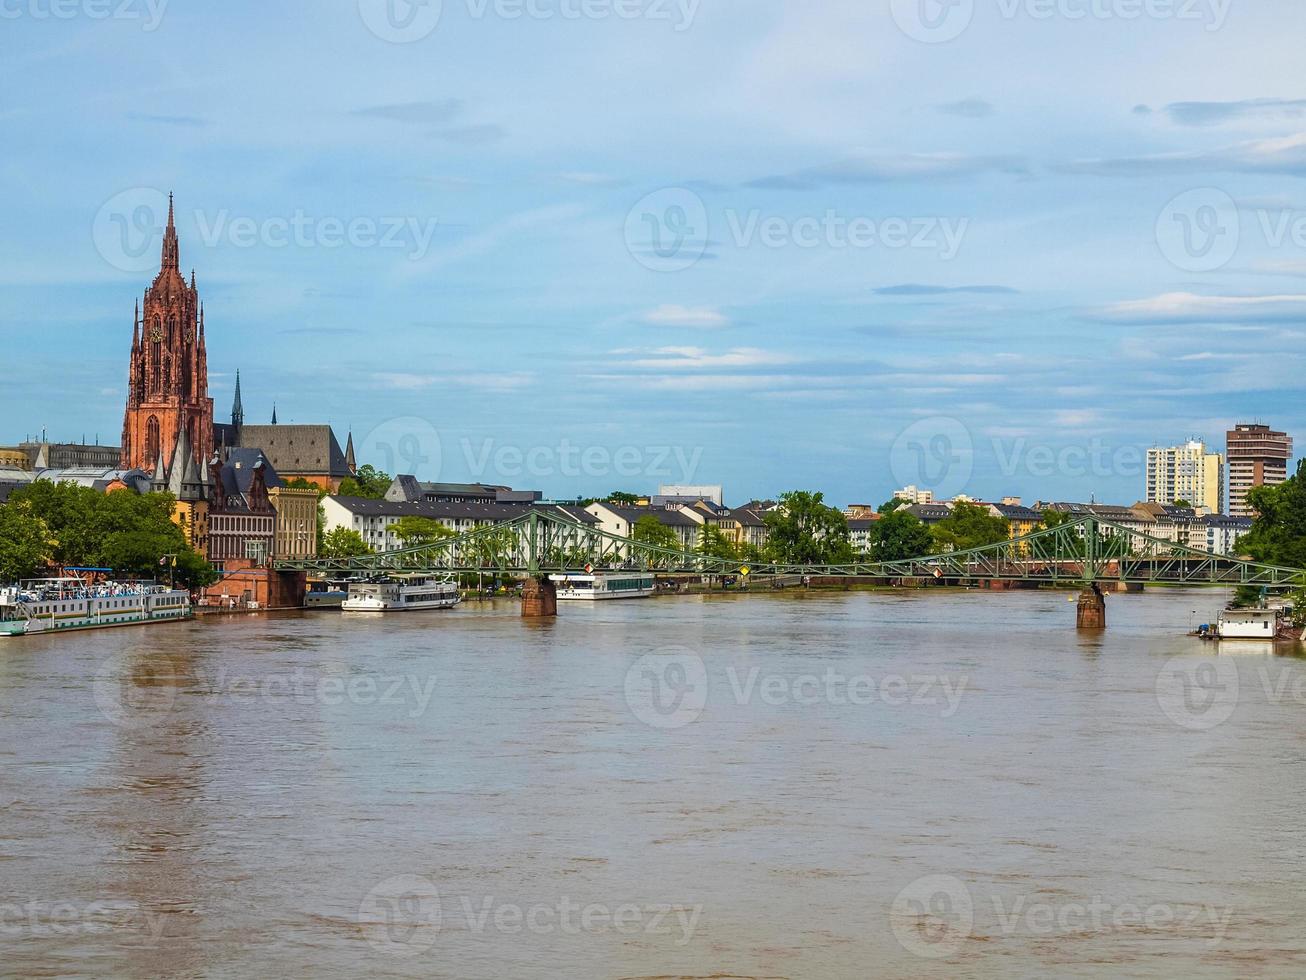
(364, 507)
(298, 450)
(238, 472)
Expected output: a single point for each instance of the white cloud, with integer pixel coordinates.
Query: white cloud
(1192, 308)
(694, 358)
(674, 315)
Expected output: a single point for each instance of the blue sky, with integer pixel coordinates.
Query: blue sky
(1002, 248)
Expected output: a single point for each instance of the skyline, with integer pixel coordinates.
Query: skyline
(1087, 277)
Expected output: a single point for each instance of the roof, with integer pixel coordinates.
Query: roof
(366, 507)
(298, 450)
(929, 513)
(860, 524)
(631, 515)
(238, 471)
(1017, 512)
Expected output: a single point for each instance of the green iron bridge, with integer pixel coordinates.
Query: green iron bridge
(1086, 551)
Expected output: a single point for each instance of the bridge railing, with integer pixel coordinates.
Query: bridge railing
(1085, 549)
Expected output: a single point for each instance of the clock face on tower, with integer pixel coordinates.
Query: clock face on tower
(156, 335)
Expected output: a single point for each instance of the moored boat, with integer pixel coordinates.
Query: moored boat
(402, 593)
(56, 605)
(604, 585)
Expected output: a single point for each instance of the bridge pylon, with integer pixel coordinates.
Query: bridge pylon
(1091, 612)
(539, 598)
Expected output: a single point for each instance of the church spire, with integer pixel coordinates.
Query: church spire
(136, 328)
(237, 409)
(171, 251)
(274, 413)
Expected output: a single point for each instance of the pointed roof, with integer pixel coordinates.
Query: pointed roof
(237, 409)
(274, 413)
(171, 251)
(136, 327)
(349, 454)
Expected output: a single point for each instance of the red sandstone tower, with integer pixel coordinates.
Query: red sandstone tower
(168, 389)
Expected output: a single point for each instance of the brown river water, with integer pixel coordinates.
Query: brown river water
(810, 785)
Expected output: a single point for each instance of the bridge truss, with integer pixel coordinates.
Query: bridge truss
(1083, 550)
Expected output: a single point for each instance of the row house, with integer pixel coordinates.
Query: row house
(686, 522)
(374, 520)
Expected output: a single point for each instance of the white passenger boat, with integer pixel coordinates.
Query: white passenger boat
(401, 593)
(604, 585)
(55, 605)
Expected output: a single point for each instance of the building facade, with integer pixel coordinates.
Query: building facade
(295, 529)
(167, 384)
(1188, 473)
(1258, 457)
(307, 452)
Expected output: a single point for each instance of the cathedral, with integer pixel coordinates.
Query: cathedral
(219, 473)
(168, 403)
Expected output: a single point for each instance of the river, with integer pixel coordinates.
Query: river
(921, 784)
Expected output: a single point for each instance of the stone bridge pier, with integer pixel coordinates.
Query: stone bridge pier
(1091, 613)
(539, 598)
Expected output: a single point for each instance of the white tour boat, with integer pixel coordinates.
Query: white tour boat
(400, 593)
(604, 585)
(55, 605)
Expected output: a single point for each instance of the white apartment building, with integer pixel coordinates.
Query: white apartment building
(1186, 472)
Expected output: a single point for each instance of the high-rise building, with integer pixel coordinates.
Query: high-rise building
(1187, 473)
(1258, 457)
(168, 384)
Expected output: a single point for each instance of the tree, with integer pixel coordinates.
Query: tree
(969, 526)
(415, 531)
(713, 543)
(1181, 503)
(649, 530)
(343, 542)
(368, 482)
(898, 536)
(26, 544)
(624, 498)
(124, 531)
(1278, 534)
(889, 506)
(804, 530)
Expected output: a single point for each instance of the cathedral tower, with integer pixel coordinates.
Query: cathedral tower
(168, 385)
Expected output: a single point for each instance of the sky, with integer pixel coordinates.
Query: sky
(995, 247)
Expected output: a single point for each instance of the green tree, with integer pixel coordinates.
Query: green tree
(898, 536)
(1278, 535)
(343, 542)
(124, 531)
(804, 530)
(889, 506)
(649, 530)
(415, 531)
(713, 543)
(26, 544)
(969, 526)
(624, 498)
(368, 482)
